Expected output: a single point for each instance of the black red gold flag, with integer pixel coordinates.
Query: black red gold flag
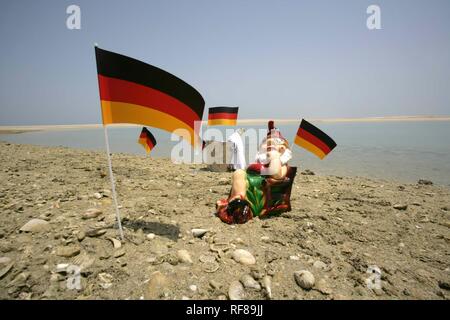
(222, 116)
(147, 140)
(314, 140)
(135, 92)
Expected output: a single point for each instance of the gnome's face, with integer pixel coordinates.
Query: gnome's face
(273, 148)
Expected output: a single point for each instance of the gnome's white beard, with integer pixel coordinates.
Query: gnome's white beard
(286, 156)
(261, 157)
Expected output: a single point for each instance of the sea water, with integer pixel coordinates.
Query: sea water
(402, 151)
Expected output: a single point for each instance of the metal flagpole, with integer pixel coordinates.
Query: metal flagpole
(113, 186)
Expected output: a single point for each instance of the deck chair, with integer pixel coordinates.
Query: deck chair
(278, 193)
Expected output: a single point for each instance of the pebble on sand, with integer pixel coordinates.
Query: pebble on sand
(267, 285)
(6, 269)
(81, 235)
(250, 283)
(184, 256)
(35, 225)
(19, 280)
(319, 265)
(67, 252)
(91, 213)
(244, 257)
(399, 206)
(236, 291)
(62, 267)
(98, 195)
(95, 233)
(119, 253)
(193, 287)
(198, 233)
(116, 243)
(304, 279)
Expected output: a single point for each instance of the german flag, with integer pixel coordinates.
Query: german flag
(314, 140)
(132, 91)
(222, 116)
(147, 140)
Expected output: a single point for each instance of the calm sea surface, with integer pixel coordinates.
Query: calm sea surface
(403, 151)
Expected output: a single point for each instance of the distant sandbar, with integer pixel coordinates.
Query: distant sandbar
(21, 129)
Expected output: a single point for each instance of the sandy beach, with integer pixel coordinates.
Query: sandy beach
(339, 228)
(21, 129)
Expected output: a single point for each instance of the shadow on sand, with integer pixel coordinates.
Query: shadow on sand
(169, 231)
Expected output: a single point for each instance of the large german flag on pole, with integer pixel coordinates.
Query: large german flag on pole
(132, 91)
(222, 116)
(314, 140)
(147, 140)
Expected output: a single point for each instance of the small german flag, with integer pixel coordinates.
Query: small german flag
(222, 116)
(132, 91)
(314, 140)
(147, 140)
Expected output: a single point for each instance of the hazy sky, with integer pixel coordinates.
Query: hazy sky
(283, 59)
